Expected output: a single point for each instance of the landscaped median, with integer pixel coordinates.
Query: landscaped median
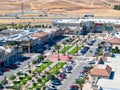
(53, 70)
(66, 49)
(56, 68)
(43, 66)
(23, 80)
(75, 50)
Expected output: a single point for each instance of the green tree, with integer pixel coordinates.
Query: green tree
(4, 82)
(39, 80)
(34, 62)
(81, 82)
(12, 77)
(40, 57)
(17, 87)
(39, 71)
(51, 77)
(57, 47)
(64, 43)
(116, 50)
(20, 26)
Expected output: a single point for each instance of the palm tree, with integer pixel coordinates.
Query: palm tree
(39, 71)
(17, 87)
(40, 57)
(51, 77)
(80, 82)
(4, 82)
(64, 43)
(12, 77)
(57, 47)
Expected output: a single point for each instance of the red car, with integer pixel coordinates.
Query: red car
(74, 87)
(62, 76)
(5, 70)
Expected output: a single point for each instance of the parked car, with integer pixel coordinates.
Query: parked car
(12, 66)
(26, 69)
(84, 50)
(91, 62)
(68, 70)
(74, 87)
(82, 74)
(62, 76)
(1, 73)
(1, 87)
(6, 70)
(17, 62)
(62, 73)
(56, 82)
(51, 87)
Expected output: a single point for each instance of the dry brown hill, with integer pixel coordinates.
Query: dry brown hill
(98, 7)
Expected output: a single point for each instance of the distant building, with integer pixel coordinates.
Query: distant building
(114, 41)
(100, 71)
(107, 50)
(9, 55)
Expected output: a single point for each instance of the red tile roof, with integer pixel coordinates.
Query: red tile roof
(40, 34)
(101, 70)
(114, 40)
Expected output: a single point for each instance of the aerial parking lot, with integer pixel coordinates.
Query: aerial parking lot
(58, 70)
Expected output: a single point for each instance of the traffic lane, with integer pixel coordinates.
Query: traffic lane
(90, 52)
(71, 78)
(21, 66)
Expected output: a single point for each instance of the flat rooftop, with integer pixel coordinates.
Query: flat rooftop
(114, 83)
(114, 21)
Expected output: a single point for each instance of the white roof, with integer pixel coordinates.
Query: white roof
(106, 83)
(7, 50)
(114, 21)
(115, 82)
(101, 66)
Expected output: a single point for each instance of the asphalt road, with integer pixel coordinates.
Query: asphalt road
(93, 48)
(71, 78)
(23, 64)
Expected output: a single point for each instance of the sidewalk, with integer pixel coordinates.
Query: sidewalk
(87, 86)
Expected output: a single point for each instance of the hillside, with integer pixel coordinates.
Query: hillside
(98, 7)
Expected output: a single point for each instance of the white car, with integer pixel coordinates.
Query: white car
(26, 69)
(51, 87)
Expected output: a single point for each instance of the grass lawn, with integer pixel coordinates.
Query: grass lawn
(75, 50)
(66, 49)
(56, 68)
(43, 66)
(101, 52)
(53, 70)
(23, 81)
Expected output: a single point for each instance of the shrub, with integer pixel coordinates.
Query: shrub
(34, 84)
(4, 82)
(15, 82)
(34, 62)
(39, 80)
(12, 77)
(20, 78)
(18, 73)
(29, 78)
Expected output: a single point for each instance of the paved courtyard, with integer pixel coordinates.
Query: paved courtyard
(54, 57)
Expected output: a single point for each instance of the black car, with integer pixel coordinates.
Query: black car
(56, 82)
(84, 50)
(1, 87)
